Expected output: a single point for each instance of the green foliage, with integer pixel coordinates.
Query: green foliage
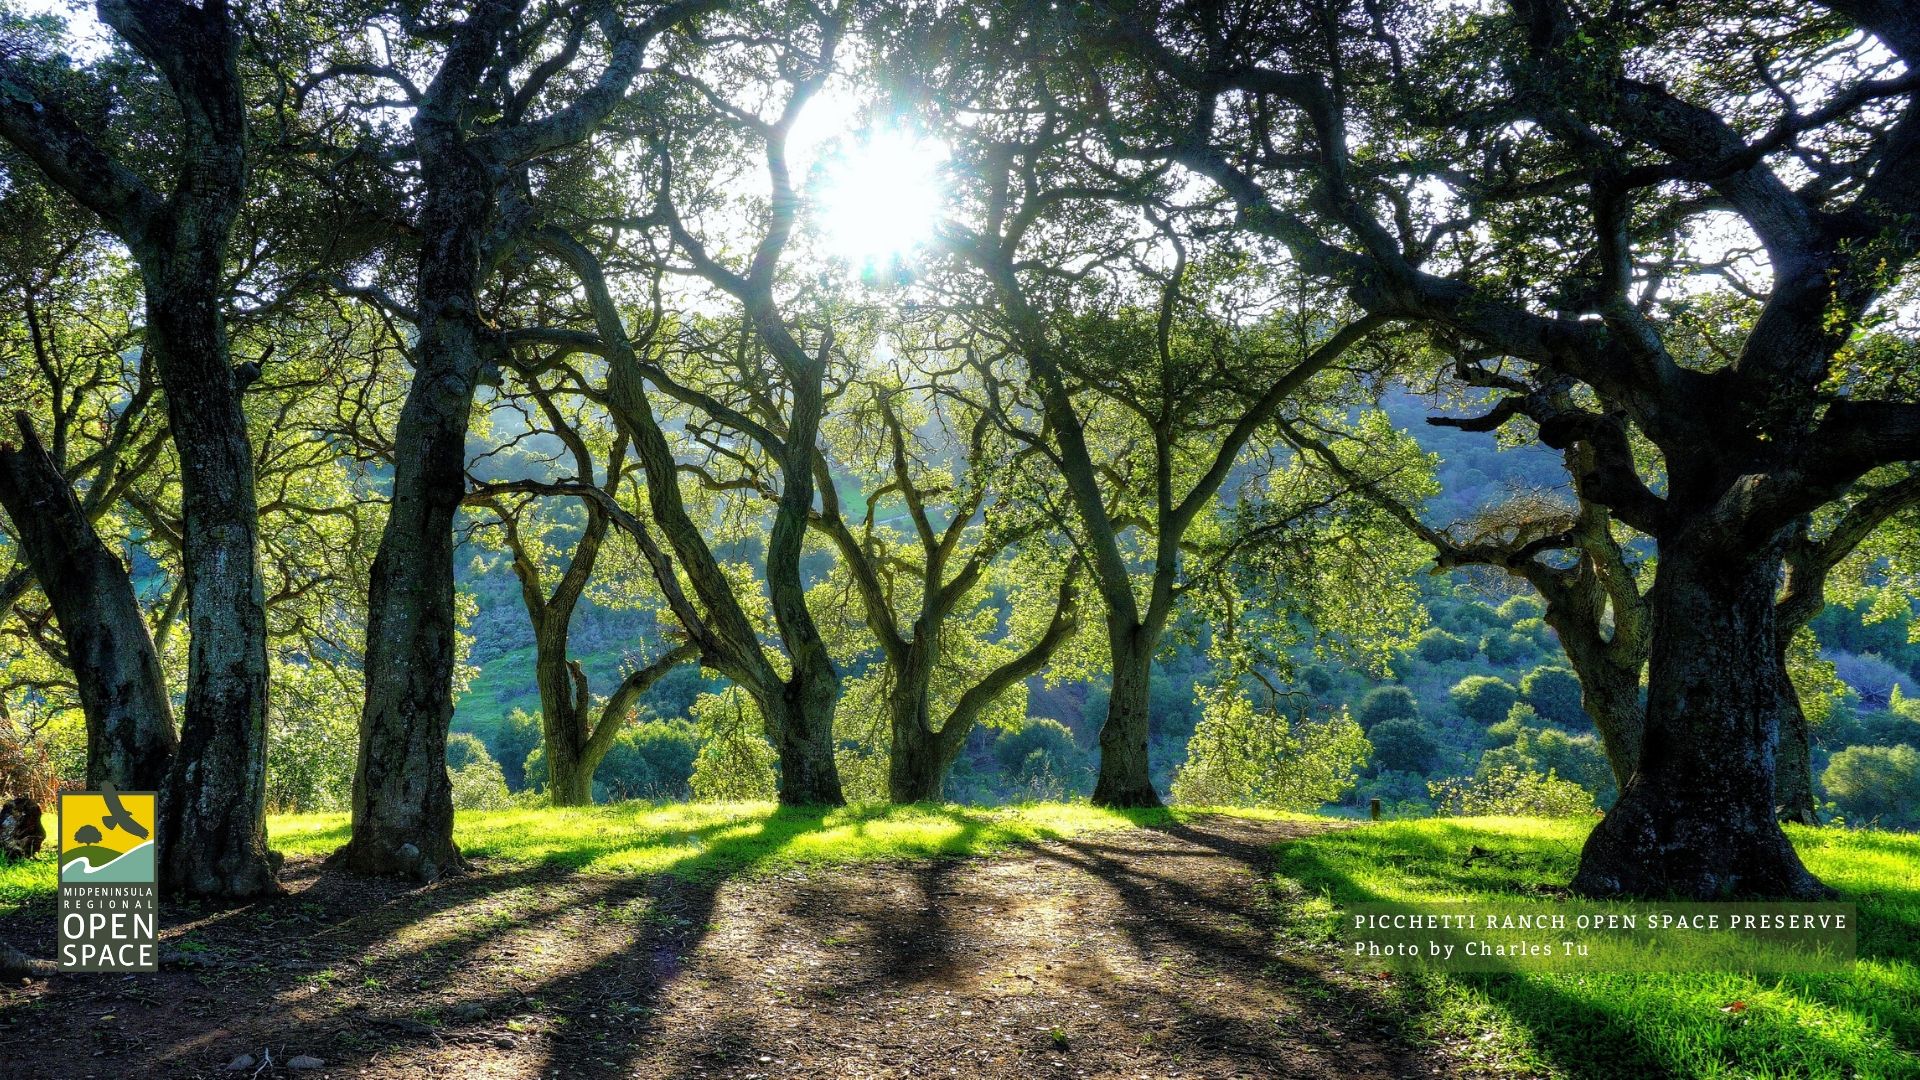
(1511, 789)
(1550, 751)
(1876, 785)
(480, 786)
(1244, 756)
(1517, 609)
(25, 769)
(464, 749)
(1554, 693)
(1316, 679)
(313, 731)
(1402, 744)
(1508, 647)
(1484, 699)
(1384, 703)
(515, 738)
(1042, 761)
(735, 762)
(651, 761)
(1437, 646)
(1883, 728)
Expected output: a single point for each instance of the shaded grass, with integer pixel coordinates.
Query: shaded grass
(687, 839)
(1864, 1023)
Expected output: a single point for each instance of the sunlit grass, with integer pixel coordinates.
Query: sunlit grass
(1864, 1023)
(688, 839)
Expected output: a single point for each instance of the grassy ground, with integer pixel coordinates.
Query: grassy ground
(686, 839)
(1864, 1024)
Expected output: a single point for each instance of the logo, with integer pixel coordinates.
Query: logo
(109, 881)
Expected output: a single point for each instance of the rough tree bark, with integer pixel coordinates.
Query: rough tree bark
(123, 692)
(213, 807)
(402, 799)
(1777, 430)
(1687, 823)
(1124, 778)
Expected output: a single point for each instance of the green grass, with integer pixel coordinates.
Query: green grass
(687, 839)
(1864, 1023)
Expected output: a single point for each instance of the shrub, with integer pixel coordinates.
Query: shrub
(1243, 756)
(1042, 761)
(1508, 648)
(1402, 745)
(1509, 789)
(513, 740)
(480, 786)
(1436, 646)
(1554, 692)
(735, 761)
(652, 761)
(1519, 719)
(1520, 608)
(1577, 758)
(1401, 794)
(1883, 729)
(1316, 679)
(1876, 785)
(465, 748)
(1485, 699)
(1468, 618)
(1384, 703)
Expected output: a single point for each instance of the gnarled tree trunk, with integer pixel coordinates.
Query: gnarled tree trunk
(214, 810)
(123, 692)
(402, 798)
(1124, 779)
(1697, 819)
(799, 724)
(921, 754)
(563, 706)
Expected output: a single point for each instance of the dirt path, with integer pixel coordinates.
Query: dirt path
(1137, 953)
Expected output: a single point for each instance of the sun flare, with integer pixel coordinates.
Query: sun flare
(881, 197)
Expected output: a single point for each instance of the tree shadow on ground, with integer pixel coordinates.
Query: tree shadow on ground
(549, 965)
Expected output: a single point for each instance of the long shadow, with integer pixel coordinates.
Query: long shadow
(352, 919)
(1332, 1016)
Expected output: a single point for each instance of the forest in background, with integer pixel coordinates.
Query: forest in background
(908, 401)
(1489, 628)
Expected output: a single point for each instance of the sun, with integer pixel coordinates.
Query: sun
(881, 198)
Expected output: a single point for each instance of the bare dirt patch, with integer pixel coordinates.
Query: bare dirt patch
(1133, 953)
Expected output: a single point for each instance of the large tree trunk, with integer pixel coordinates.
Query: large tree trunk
(1697, 819)
(402, 800)
(123, 692)
(1124, 779)
(920, 756)
(1610, 696)
(569, 779)
(214, 810)
(801, 729)
(563, 704)
(803, 722)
